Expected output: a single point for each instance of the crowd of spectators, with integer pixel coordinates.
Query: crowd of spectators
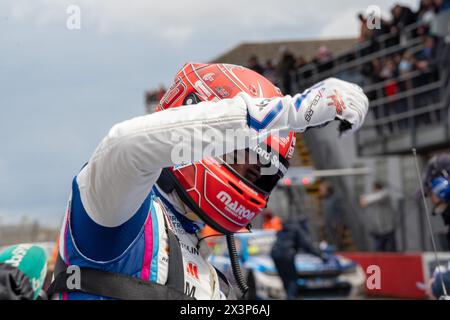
(152, 97)
(404, 69)
(286, 72)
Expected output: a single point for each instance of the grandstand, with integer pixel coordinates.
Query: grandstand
(409, 108)
(270, 50)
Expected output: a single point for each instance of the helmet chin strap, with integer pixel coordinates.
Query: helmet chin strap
(168, 183)
(180, 205)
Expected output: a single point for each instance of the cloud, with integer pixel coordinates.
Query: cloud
(176, 20)
(342, 24)
(182, 19)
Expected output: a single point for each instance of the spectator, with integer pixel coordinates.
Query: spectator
(365, 34)
(371, 71)
(333, 213)
(426, 61)
(426, 57)
(435, 183)
(285, 68)
(270, 72)
(301, 62)
(401, 17)
(290, 240)
(323, 59)
(302, 74)
(380, 217)
(150, 101)
(388, 74)
(385, 28)
(152, 98)
(253, 64)
(161, 92)
(406, 63)
(441, 5)
(426, 12)
(435, 289)
(405, 66)
(389, 70)
(271, 221)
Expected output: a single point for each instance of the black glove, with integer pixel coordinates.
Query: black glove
(14, 284)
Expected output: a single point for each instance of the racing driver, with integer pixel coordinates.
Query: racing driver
(132, 224)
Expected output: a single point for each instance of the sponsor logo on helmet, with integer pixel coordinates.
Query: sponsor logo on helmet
(234, 207)
(209, 77)
(202, 89)
(222, 92)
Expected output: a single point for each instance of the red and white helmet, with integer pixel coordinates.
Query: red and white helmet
(219, 195)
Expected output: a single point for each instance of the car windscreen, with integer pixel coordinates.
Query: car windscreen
(261, 244)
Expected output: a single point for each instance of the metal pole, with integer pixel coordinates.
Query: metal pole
(427, 214)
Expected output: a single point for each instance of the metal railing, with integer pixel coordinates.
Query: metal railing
(417, 106)
(355, 64)
(421, 97)
(357, 56)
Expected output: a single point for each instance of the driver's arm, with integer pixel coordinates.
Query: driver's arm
(126, 164)
(128, 161)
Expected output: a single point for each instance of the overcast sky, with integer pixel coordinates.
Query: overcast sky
(61, 90)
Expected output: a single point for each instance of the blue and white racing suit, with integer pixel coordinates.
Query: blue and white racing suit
(115, 217)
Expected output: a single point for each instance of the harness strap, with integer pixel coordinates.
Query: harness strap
(114, 285)
(225, 286)
(125, 287)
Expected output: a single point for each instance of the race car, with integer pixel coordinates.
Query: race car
(339, 277)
